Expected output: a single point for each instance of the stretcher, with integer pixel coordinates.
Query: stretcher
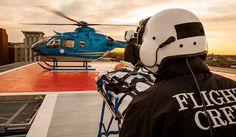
(117, 90)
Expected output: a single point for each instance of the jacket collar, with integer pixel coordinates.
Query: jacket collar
(133, 40)
(171, 68)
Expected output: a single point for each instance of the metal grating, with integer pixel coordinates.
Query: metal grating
(17, 113)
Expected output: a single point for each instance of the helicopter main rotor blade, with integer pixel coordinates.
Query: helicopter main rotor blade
(90, 24)
(77, 23)
(74, 24)
(59, 13)
(50, 24)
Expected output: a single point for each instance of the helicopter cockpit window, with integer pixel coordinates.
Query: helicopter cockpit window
(54, 43)
(82, 44)
(68, 43)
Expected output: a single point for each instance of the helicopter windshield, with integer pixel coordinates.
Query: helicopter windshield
(54, 43)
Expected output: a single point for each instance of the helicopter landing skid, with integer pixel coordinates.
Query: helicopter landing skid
(56, 67)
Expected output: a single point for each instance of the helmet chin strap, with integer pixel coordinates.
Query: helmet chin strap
(165, 43)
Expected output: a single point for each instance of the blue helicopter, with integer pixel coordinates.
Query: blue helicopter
(82, 45)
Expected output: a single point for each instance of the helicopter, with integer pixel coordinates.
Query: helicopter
(84, 44)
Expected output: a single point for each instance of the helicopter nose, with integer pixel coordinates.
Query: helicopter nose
(36, 46)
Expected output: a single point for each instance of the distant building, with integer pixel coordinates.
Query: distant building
(11, 53)
(3, 47)
(30, 38)
(16, 52)
(233, 66)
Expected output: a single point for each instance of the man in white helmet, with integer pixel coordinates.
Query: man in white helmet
(187, 100)
(131, 53)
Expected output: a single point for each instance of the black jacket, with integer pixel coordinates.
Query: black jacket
(173, 108)
(131, 53)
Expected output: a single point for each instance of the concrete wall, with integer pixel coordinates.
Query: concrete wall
(30, 38)
(16, 52)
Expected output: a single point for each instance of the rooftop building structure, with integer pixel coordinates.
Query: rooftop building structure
(3, 47)
(30, 38)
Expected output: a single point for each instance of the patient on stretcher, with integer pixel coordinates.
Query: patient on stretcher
(126, 81)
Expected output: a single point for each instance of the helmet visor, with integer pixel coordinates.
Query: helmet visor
(187, 30)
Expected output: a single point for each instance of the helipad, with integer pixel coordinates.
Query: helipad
(71, 107)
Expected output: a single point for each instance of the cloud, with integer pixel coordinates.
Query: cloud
(14, 13)
(218, 16)
(225, 18)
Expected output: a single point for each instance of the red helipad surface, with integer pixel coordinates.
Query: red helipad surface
(32, 78)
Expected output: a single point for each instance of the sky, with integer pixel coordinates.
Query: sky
(218, 17)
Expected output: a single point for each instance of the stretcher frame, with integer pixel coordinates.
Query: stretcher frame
(115, 114)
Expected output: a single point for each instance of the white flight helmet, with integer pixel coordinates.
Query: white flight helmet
(129, 34)
(171, 33)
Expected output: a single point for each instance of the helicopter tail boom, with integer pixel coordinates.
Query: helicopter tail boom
(120, 44)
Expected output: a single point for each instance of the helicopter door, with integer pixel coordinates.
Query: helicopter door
(68, 47)
(54, 43)
(68, 43)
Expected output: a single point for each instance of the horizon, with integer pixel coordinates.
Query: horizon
(218, 17)
(120, 50)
